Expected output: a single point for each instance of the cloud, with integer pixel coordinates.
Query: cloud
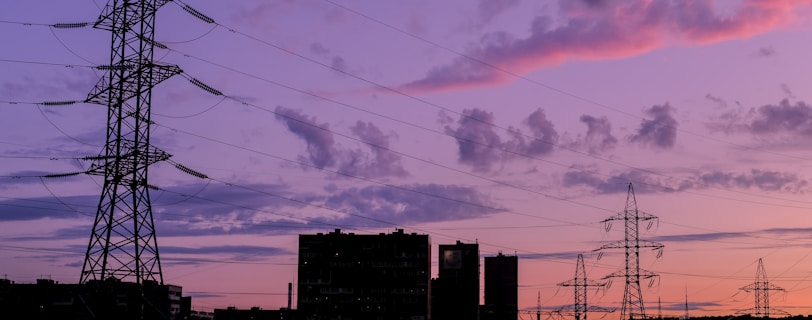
(264, 210)
(320, 144)
(692, 305)
(764, 52)
(618, 182)
(59, 86)
(763, 180)
(69, 207)
(198, 209)
(338, 63)
(660, 132)
(563, 255)
(481, 147)
(382, 163)
(263, 13)
(785, 117)
(15, 179)
(612, 29)
(786, 121)
(598, 138)
(711, 236)
(384, 206)
(324, 152)
(735, 237)
(719, 101)
(319, 49)
(787, 91)
(236, 253)
(476, 139)
(488, 10)
(544, 133)
(175, 255)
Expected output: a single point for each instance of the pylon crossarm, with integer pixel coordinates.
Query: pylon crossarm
(614, 245)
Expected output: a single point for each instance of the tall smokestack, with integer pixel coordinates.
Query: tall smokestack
(290, 295)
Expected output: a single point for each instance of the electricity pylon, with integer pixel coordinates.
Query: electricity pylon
(633, 307)
(762, 289)
(122, 243)
(580, 285)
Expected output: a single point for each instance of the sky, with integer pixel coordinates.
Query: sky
(516, 124)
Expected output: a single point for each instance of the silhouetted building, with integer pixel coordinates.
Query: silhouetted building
(360, 277)
(255, 313)
(501, 288)
(108, 299)
(455, 291)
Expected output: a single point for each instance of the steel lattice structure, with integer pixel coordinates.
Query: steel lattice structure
(633, 307)
(762, 288)
(580, 286)
(122, 243)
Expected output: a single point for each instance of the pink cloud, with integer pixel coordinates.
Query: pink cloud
(614, 29)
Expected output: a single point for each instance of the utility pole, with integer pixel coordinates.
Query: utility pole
(633, 307)
(123, 243)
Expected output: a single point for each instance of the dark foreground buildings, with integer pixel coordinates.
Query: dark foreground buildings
(386, 276)
(455, 291)
(360, 277)
(501, 288)
(109, 299)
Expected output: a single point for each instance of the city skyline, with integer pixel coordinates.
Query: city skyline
(513, 124)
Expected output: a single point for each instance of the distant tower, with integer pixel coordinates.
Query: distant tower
(580, 284)
(659, 308)
(687, 316)
(632, 296)
(538, 305)
(122, 243)
(762, 288)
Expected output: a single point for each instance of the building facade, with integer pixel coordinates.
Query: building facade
(501, 288)
(455, 291)
(348, 276)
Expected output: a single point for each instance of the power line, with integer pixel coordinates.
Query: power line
(748, 235)
(197, 13)
(360, 177)
(240, 101)
(546, 86)
(509, 130)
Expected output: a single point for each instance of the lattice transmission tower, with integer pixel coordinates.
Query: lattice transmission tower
(122, 243)
(633, 307)
(762, 288)
(580, 286)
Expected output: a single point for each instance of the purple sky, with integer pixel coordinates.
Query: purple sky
(514, 123)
